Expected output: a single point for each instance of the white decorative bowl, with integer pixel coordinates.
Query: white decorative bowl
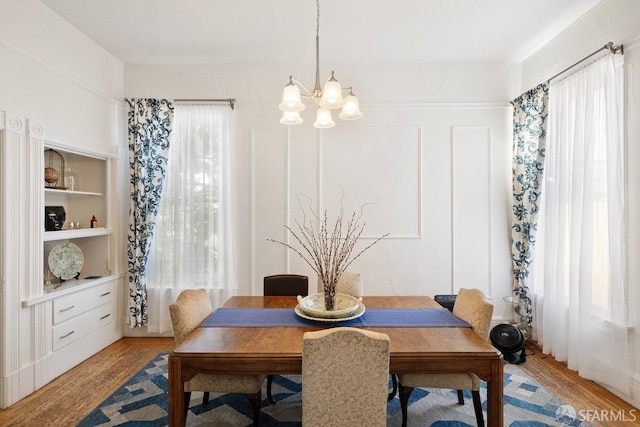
(313, 306)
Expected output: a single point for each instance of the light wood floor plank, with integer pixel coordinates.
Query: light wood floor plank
(578, 392)
(69, 398)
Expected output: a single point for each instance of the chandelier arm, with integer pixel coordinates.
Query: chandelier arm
(309, 93)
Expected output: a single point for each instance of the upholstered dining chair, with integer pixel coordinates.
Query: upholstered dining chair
(283, 285)
(349, 283)
(189, 310)
(472, 307)
(344, 378)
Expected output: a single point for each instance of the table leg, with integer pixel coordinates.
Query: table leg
(495, 389)
(176, 393)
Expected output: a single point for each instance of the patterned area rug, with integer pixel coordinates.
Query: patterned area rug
(143, 401)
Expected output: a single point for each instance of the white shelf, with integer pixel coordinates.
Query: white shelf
(69, 287)
(71, 193)
(50, 236)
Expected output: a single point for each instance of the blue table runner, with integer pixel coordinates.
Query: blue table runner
(372, 317)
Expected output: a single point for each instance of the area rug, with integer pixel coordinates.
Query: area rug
(143, 401)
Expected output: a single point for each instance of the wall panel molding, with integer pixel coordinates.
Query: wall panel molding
(437, 170)
(270, 188)
(377, 165)
(471, 190)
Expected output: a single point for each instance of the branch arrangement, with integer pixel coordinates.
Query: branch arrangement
(328, 250)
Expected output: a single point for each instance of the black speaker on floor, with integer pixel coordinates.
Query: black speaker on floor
(510, 341)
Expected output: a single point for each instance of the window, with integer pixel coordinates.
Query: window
(192, 246)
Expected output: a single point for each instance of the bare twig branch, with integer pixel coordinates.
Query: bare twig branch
(328, 251)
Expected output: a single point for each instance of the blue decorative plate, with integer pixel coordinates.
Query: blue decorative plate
(65, 260)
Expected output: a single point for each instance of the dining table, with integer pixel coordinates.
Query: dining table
(239, 347)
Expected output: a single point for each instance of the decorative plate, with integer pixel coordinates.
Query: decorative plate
(313, 305)
(359, 312)
(65, 260)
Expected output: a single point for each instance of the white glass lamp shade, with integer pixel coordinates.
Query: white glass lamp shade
(332, 94)
(324, 119)
(291, 118)
(291, 101)
(351, 109)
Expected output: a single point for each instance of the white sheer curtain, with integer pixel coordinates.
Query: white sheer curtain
(581, 286)
(193, 243)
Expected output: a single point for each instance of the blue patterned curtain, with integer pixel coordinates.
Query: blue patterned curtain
(150, 123)
(529, 139)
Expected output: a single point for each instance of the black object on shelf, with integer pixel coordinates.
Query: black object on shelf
(54, 217)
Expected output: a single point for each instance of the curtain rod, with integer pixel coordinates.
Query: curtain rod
(609, 46)
(231, 101)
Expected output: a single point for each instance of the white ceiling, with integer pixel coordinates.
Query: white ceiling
(351, 31)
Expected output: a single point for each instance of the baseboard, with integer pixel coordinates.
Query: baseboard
(33, 376)
(22, 383)
(8, 391)
(635, 392)
(633, 400)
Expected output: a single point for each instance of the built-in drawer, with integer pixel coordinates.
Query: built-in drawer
(68, 306)
(74, 329)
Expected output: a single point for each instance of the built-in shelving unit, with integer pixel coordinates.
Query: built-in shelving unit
(83, 199)
(52, 325)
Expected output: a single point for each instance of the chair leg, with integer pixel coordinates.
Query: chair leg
(477, 405)
(269, 382)
(405, 392)
(187, 398)
(255, 399)
(205, 398)
(460, 398)
(394, 387)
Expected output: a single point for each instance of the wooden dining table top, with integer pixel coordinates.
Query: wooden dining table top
(254, 349)
(278, 350)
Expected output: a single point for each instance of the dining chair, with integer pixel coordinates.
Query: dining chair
(189, 310)
(283, 285)
(472, 307)
(344, 377)
(349, 283)
(286, 285)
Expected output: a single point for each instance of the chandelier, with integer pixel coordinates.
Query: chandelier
(328, 98)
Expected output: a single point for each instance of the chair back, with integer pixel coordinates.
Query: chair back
(189, 310)
(345, 374)
(349, 283)
(472, 306)
(285, 285)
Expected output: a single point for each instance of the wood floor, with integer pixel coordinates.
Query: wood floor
(70, 397)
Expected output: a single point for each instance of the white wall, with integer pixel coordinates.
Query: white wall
(60, 79)
(56, 75)
(615, 21)
(434, 147)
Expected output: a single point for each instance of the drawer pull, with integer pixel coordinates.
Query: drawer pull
(67, 309)
(105, 294)
(105, 316)
(66, 335)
